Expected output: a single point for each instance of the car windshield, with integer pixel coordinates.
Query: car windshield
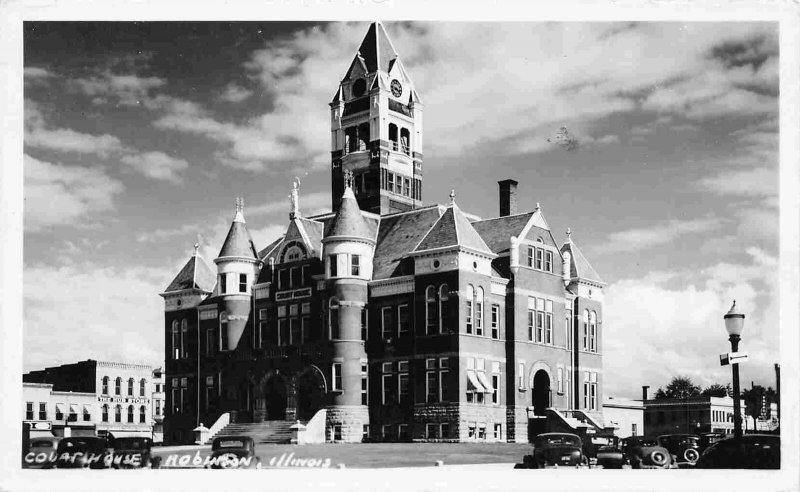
(645, 442)
(74, 444)
(131, 443)
(678, 440)
(557, 440)
(230, 443)
(41, 444)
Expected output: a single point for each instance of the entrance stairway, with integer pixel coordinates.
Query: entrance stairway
(268, 431)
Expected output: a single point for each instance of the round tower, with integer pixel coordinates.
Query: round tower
(347, 251)
(237, 269)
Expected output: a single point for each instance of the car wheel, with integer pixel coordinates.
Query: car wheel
(691, 455)
(228, 460)
(527, 461)
(658, 458)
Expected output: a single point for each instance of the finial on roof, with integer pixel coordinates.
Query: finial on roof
(196, 248)
(239, 217)
(569, 235)
(294, 199)
(538, 207)
(452, 197)
(348, 179)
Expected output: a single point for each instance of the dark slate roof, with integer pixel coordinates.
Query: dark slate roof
(397, 235)
(238, 242)
(453, 229)
(314, 230)
(194, 275)
(349, 221)
(579, 266)
(338, 96)
(376, 49)
(269, 250)
(497, 232)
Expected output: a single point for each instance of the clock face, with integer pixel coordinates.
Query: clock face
(397, 89)
(359, 87)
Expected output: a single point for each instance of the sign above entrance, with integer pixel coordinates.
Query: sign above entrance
(39, 425)
(293, 294)
(121, 399)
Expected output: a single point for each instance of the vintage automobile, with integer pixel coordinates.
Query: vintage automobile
(556, 449)
(233, 452)
(751, 451)
(607, 452)
(83, 452)
(645, 452)
(41, 452)
(684, 448)
(709, 438)
(134, 452)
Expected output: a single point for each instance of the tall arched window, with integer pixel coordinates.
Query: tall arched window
(142, 384)
(176, 341)
(405, 141)
(118, 413)
(585, 336)
(479, 311)
(223, 331)
(184, 338)
(118, 386)
(130, 414)
(333, 318)
(105, 385)
(567, 274)
(593, 332)
(142, 414)
(470, 306)
(444, 295)
(393, 139)
(431, 316)
(363, 136)
(105, 412)
(130, 387)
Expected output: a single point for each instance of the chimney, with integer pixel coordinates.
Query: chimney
(508, 197)
(644, 392)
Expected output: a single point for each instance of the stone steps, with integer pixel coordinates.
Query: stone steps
(270, 431)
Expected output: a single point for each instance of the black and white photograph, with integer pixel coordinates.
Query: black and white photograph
(533, 249)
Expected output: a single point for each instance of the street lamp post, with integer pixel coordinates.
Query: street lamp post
(734, 323)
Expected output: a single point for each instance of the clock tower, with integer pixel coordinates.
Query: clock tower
(376, 130)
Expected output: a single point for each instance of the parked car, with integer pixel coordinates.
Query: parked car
(752, 451)
(645, 452)
(83, 452)
(610, 455)
(555, 449)
(228, 452)
(134, 452)
(41, 452)
(684, 448)
(709, 438)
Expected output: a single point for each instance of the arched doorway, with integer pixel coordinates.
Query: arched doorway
(275, 397)
(540, 394)
(311, 391)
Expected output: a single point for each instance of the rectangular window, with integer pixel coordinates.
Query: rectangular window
(158, 407)
(444, 430)
(531, 317)
(390, 183)
(634, 430)
(365, 433)
(305, 329)
(406, 187)
(387, 389)
(479, 318)
(431, 431)
(495, 389)
(482, 431)
(295, 278)
(568, 330)
(223, 283)
(402, 432)
(364, 324)
(87, 414)
(431, 387)
(498, 431)
(29, 410)
(242, 282)
(586, 334)
(402, 387)
(539, 254)
(592, 338)
(560, 380)
(73, 412)
(337, 432)
(548, 322)
(282, 334)
(295, 335)
(60, 411)
(521, 375)
(209, 391)
(403, 320)
(336, 376)
(539, 326)
(443, 385)
(283, 278)
(495, 321)
(469, 316)
(386, 432)
(593, 383)
(586, 390)
(530, 256)
(333, 259)
(355, 265)
(364, 384)
(548, 261)
(306, 278)
(387, 328)
(42, 411)
(471, 431)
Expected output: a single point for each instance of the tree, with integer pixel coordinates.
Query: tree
(752, 399)
(718, 390)
(680, 387)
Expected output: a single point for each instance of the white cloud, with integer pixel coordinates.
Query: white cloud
(125, 89)
(36, 73)
(122, 319)
(64, 139)
(235, 93)
(64, 195)
(657, 234)
(310, 204)
(754, 182)
(157, 165)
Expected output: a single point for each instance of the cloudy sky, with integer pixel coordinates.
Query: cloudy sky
(138, 138)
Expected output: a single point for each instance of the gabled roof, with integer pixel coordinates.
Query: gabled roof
(194, 275)
(348, 221)
(376, 49)
(397, 235)
(453, 229)
(497, 232)
(238, 243)
(580, 268)
(265, 253)
(338, 96)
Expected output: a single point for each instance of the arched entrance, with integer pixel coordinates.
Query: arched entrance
(540, 394)
(311, 391)
(275, 400)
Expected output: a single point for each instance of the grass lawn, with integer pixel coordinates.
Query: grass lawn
(385, 455)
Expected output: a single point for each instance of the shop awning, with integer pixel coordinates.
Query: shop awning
(473, 384)
(118, 434)
(485, 382)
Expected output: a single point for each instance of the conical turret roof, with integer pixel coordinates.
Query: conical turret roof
(348, 221)
(238, 243)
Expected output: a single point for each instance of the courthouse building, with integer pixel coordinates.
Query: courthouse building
(91, 397)
(400, 319)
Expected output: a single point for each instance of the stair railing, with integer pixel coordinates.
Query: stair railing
(221, 422)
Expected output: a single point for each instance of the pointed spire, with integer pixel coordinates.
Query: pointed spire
(376, 49)
(239, 217)
(452, 197)
(569, 235)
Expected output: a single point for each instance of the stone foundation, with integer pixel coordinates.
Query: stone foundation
(350, 421)
(517, 422)
(477, 422)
